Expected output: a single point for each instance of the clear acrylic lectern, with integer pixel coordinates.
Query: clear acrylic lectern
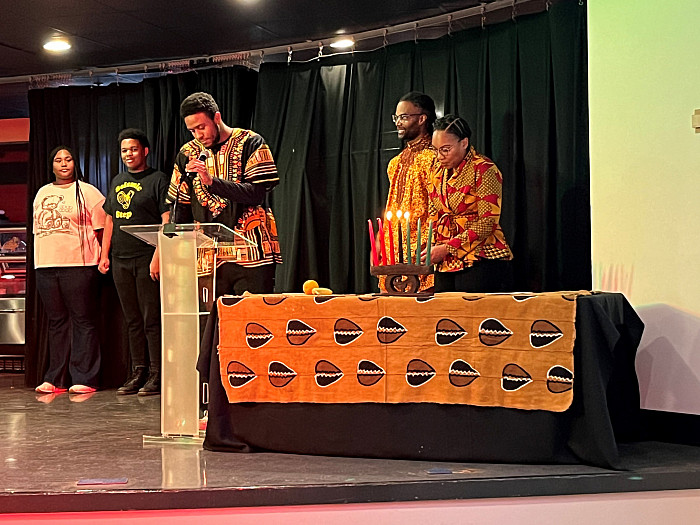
(181, 309)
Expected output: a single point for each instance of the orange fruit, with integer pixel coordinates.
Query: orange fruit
(309, 286)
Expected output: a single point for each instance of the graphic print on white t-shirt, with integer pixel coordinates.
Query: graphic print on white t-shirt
(51, 218)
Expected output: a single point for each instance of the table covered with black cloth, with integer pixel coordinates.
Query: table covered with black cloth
(604, 410)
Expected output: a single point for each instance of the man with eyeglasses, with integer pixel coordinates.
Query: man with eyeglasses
(224, 175)
(408, 172)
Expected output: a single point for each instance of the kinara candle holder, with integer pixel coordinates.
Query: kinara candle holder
(402, 279)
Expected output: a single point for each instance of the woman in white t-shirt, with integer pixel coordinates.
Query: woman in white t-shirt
(68, 221)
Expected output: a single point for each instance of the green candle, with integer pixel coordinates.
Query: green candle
(408, 239)
(418, 246)
(430, 244)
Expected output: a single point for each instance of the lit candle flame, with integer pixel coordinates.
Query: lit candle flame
(389, 215)
(399, 214)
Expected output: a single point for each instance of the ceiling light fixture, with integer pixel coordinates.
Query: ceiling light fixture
(342, 43)
(57, 44)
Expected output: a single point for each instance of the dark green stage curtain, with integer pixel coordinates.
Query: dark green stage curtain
(521, 85)
(89, 119)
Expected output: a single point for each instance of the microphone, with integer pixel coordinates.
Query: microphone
(190, 175)
(169, 229)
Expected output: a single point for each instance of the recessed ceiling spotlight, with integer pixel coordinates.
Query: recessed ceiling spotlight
(57, 44)
(342, 43)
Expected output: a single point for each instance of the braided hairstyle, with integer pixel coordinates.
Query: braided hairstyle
(79, 197)
(454, 125)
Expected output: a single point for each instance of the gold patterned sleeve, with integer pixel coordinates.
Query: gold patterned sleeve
(260, 167)
(391, 169)
(433, 195)
(175, 179)
(423, 207)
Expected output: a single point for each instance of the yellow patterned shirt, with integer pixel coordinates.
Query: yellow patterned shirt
(465, 204)
(408, 191)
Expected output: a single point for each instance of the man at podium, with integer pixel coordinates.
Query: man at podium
(224, 175)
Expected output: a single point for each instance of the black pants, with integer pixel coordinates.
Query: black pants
(232, 278)
(139, 296)
(69, 295)
(486, 276)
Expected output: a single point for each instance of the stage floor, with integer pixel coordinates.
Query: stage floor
(49, 443)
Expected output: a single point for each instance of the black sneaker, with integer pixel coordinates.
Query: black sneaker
(136, 380)
(152, 386)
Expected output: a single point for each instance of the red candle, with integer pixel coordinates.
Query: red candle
(399, 227)
(391, 237)
(380, 233)
(372, 242)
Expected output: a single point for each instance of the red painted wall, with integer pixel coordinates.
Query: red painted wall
(13, 199)
(14, 135)
(13, 130)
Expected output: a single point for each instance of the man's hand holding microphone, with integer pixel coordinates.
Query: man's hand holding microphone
(197, 166)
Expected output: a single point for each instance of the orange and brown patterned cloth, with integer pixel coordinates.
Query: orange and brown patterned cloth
(505, 350)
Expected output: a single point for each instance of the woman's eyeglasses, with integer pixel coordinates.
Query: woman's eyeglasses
(445, 150)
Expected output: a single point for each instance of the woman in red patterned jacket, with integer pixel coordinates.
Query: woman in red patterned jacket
(464, 195)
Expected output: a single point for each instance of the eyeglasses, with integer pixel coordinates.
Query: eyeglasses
(445, 150)
(404, 117)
